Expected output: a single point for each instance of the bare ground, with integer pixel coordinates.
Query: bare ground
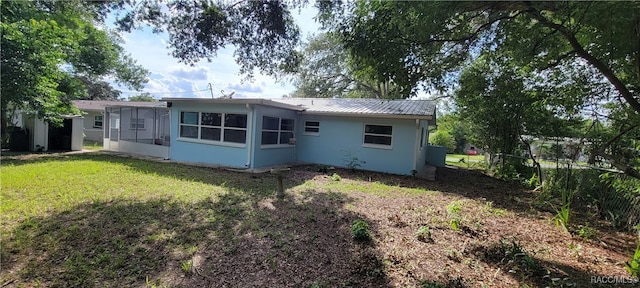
(304, 240)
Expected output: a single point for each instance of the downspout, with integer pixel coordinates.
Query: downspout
(249, 135)
(415, 148)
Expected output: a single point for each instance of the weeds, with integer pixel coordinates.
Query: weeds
(563, 214)
(186, 266)
(424, 234)
(633, 266)
(360, 230)
(336, 177)
(454, 209)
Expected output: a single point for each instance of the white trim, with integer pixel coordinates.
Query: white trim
(272, 146)
(223, 128)
(377, 146)
(210, 142)
(372, 145)
(304, 128)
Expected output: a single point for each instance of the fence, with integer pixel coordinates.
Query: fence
(612, 195)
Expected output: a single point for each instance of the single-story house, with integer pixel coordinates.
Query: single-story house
(93, 112)
(255, 134)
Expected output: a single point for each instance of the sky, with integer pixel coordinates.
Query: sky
(171, 79)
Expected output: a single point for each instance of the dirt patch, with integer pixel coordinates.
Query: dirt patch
(464, 230)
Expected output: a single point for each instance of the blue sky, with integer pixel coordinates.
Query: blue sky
(169, 78)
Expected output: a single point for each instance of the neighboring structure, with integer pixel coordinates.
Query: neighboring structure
(255, 134)
(93, 113)
(32, 134)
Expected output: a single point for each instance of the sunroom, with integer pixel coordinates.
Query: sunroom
(138, 130)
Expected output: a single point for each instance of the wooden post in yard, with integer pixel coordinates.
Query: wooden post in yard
(279, 174)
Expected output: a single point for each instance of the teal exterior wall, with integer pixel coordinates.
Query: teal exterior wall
(436, 155)
(272, 155)
(204, 152)
(340, 143)
(423, 141)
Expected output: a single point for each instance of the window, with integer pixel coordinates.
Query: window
(377, 135)
(215, 127)
(137, 123)
(276, 130)
(311, 127)
(97, 121)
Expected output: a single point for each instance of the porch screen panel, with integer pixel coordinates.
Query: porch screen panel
(163, 133)
(144, 125)
(127, 114)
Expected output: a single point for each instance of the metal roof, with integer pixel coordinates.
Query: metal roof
(253, 101)
(424, 109)
(98, 105)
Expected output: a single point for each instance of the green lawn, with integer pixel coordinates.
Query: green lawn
(91, 145)
(98, 220)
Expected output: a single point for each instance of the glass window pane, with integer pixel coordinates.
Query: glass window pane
(189, 118)
(284, 137)
(378, 129)
(235, 136)
(312, 124)
(235, 120)
(380, 140)
(270, 123)
(312, 129)
(211, 119)
(286, 125)
(210, 134)
(188, 131)
(269, 138)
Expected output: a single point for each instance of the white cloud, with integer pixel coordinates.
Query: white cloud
(190, 72)
(170, 78)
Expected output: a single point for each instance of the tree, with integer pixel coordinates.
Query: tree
(594, 46)
(325, 71)
(50, 50)
(457, 127)
(144, 97)
(263, 33)
(444, 139)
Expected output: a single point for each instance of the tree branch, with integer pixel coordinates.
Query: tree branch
(594, 61)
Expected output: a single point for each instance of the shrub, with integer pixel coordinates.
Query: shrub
(444, 139)
(360, 230)
(424, 234)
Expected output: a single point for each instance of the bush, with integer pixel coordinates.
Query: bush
(360, 230)
(424, 234)
(443, 138)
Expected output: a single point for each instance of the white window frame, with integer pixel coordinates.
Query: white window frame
(279, 144)
(222, 128)
(95, 120)
(311, 133)
(373, 145)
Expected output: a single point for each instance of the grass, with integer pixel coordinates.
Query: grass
(91, 145)
(95, 220)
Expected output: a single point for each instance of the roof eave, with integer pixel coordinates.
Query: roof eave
(371, 115)
(265, 102)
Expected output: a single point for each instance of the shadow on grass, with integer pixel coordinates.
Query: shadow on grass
(236, 239)
(534, 271)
